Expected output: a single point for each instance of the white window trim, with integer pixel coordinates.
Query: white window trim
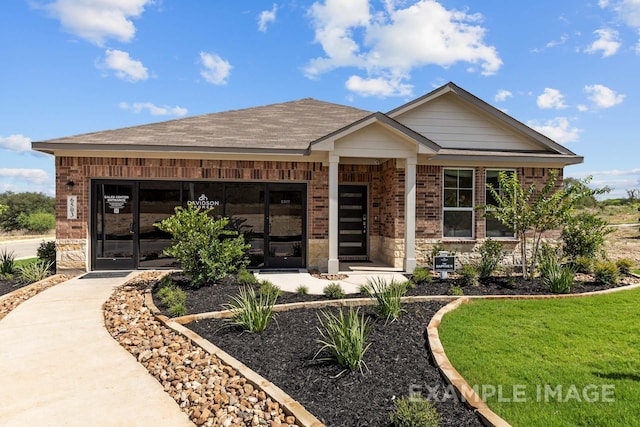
(515, 171)
(472, 208)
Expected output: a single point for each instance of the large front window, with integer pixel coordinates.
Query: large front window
(458, 203)
(495, 228)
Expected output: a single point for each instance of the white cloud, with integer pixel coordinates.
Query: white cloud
(608, 42)
(267, 17)
(18, 143)
(582, 108)
(153, 109)
(628, 11)
(502, 95)
(34, 176)
(551, 98)
(379, 86)
(216, 70)
(558, 129)
(124, 66)
(98, 20)
(389, 43)
(602, 96)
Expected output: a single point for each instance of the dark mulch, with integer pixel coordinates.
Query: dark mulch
(10, 285)
(398, 362)
(213, 297)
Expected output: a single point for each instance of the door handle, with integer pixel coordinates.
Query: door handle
(131, 226)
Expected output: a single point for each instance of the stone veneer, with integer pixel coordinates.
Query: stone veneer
(385, 199)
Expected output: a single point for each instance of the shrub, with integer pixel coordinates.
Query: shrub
(34, 271)
(270, 290)
(37, 222)
(606, 272)
(250, 311)
(245, 277)
(558, 278)
(491, 254)
(7, 262)
(334, 290)
(584, 235)
(47, 252)
(345, 337)
(387, 296)
(365, 289)
(582, 264)
(205, 248)
(624, 265)
(172, 297)
(302, 290)
(414, 412)
(421, 275)
(469, 275)
(456, 291)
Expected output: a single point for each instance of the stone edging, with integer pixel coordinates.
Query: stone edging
(290, 406)
(10, 301)
(452, 376)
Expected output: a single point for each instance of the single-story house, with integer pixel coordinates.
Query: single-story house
(310, 183)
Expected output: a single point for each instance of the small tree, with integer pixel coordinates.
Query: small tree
(532, 212)
(207, 250)
(584, 235)
(3, 208)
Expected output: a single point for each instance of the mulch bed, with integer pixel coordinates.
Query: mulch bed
(397, 361)
(10, 285)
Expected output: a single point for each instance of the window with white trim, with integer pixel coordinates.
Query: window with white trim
(495, 228)
(457, 210)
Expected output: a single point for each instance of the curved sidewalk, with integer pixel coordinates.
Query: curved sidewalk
(60, 366)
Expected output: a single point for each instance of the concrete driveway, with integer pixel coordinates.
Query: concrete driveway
(24, 248)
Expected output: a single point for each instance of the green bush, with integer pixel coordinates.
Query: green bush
(34, 272)
(584, 236)
(456, 291)
(250, 311)
(606, 272)
(334, 290)
(557, 277)
(491, 254)
(206, 250)
(37, 222)
(365, 289)
(345, 337)
(23, 203)
(582, 264)
(421, 275)
(172, 297)
(469, 274)
(388, 297)
(270, 290)
(302, 290)
(624, 265)
(7, 262)
(47, 252)
(414, 412)
(245, 277)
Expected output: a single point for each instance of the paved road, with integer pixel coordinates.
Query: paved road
(23, 248)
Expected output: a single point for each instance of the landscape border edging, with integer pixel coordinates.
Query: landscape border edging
(29, 287)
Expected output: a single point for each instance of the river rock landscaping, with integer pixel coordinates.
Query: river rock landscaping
(20, 292)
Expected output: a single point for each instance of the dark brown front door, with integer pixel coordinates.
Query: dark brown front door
(352, 222)
(285, 226)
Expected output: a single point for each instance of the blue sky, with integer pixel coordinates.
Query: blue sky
(567, 68)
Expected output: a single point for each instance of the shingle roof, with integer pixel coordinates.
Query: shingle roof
(285, 126)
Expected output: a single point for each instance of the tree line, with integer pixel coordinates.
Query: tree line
(31, 212)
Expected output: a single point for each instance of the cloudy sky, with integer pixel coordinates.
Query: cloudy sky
(566, 68)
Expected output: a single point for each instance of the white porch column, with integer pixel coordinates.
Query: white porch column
(410, 214)
(334, 265)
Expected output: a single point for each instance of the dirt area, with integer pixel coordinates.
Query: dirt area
(624, 242)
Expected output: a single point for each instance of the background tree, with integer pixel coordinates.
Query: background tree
(23, 203)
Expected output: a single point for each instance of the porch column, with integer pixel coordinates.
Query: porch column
(410, 214)
(334, 265)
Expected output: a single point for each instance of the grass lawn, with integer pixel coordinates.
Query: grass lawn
(566, 362)
(26, 261)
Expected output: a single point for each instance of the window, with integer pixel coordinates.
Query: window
(495, 228)
(458, 203)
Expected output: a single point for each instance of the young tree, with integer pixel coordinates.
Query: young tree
(532, 212)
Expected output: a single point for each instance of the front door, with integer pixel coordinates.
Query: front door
(352, 223)
(115, 213)
(285, 226)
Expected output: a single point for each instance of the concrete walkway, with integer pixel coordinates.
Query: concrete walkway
(60, 366)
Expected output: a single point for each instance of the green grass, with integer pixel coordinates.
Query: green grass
(24, 261)
(585, 345)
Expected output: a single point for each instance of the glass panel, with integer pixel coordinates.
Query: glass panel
(244, 205)
(114, 221)
(465, 178)
(205, 195)
(158, 200)
(465, 199)
(451, 178)
(285, 223)
(451, 198)
(458, 224)
(496, 229)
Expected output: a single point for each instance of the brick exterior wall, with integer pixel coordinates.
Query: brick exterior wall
(385, 182)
